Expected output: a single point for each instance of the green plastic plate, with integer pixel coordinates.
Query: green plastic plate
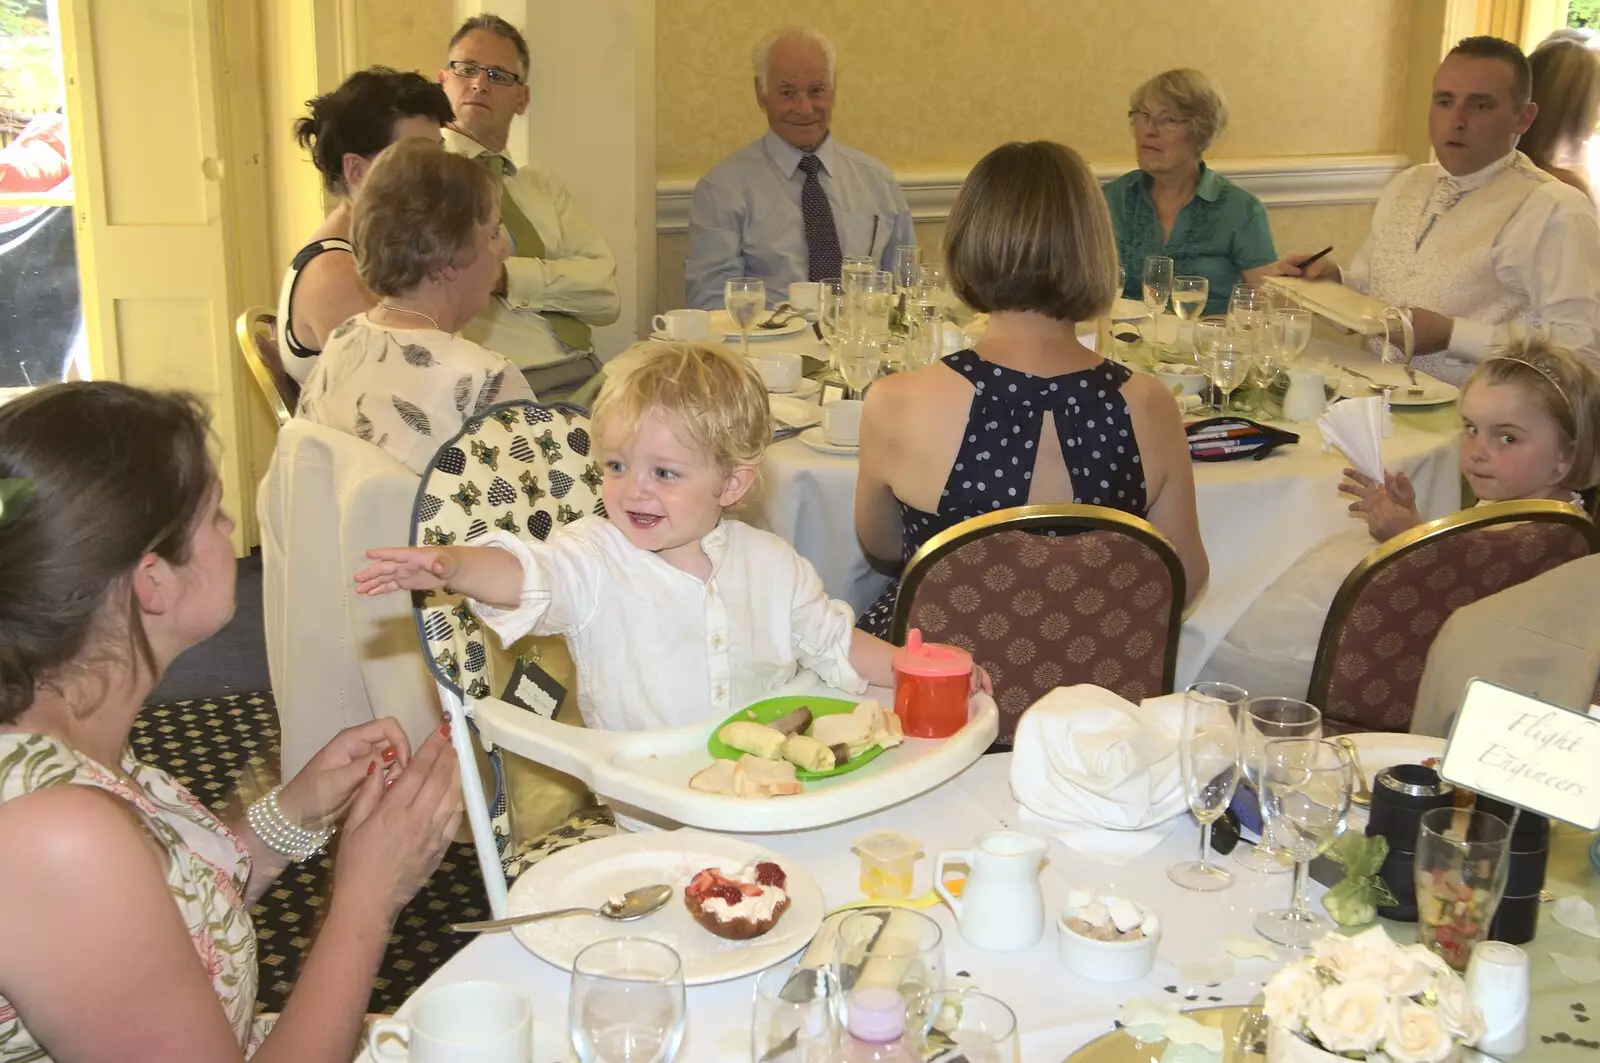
(772, 709)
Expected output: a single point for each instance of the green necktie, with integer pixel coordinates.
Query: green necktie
(568, 329)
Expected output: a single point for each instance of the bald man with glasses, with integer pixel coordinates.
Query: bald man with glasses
(561, 278)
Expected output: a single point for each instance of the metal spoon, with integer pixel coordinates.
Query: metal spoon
(1362, 795)
(636, 904)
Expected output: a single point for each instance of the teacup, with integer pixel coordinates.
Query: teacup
(841, 422)
(805, 295)
(468, 1022)
(685, 325)
(779, 370)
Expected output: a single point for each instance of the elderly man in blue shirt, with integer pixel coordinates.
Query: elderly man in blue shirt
(794, 204)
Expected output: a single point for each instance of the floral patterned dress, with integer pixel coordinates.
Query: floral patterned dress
(207, 867)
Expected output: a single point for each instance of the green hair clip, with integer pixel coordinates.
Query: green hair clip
(1355, 900)
(13, 494)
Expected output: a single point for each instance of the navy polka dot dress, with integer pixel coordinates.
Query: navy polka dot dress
(994, 468)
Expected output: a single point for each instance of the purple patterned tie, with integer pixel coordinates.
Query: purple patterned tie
(823, 258)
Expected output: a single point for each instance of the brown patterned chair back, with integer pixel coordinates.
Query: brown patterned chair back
(1385, 615)
(1048, 596)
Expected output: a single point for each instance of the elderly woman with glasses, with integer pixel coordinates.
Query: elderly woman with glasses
(1173, 205)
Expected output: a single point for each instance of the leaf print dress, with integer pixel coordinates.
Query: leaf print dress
(207, 867)
(407, 391)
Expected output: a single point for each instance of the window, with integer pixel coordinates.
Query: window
(41, 315)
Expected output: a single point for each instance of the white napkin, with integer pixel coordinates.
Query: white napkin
(1102, 770)
(1355, 427)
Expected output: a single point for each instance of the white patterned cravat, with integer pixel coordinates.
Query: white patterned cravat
(1446, 194)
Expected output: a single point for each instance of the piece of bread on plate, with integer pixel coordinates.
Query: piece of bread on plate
(714, 779)
(755, 777)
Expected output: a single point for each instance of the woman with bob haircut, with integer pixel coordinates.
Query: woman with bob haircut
(426, 227)
(1566, 88)
(1029, 243)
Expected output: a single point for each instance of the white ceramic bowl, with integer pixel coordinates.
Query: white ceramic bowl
(1181, 379)
(1106, 961)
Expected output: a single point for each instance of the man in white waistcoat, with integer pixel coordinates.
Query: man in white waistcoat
(1482, 245)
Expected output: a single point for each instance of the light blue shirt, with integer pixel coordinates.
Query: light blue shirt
(745, 220)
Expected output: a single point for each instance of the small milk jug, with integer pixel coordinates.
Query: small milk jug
(1001, 907)
(1305, 400)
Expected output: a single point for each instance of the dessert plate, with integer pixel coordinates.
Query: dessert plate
(586, 874)
(723, 324)
(817, 440)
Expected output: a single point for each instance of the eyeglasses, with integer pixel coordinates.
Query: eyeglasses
(1163, 122)
(468, 71)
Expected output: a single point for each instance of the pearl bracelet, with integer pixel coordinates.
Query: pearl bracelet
(281, 834)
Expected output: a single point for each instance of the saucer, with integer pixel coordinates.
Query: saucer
(815, 439)
(807, 389)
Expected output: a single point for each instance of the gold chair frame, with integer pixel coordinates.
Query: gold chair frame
(247, 329)
(1038, 520)
(1517, 511)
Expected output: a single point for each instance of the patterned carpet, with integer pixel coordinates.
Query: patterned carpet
(222, 748)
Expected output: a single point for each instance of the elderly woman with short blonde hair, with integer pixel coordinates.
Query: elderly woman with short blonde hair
(1173, 204)
(428, 243)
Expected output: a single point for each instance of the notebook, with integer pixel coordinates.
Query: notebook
(1344, 307)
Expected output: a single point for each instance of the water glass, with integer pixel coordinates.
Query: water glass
(870, 298)
(1208, 332)
(1289, 331)
(1461, 874)
(1208, 764)
(830, 318)
(970, 1025)
(1261, 721)
(1248, 309)
(1157, 282)
(626, 1002)
(745, 298)
(793, 1017)
(1305, 790)
(892, 948)
(924, 333)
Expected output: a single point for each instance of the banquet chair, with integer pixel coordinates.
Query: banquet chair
(1049, 596)
(1385, 615)
(257, 332)
(522, 468)
(336, 658)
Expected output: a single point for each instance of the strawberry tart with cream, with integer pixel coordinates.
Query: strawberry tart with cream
(742, 905)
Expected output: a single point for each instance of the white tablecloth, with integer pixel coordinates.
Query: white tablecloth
(1056, 1010)
(1256, 517)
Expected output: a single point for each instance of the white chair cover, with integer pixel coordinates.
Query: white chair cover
(337, 658)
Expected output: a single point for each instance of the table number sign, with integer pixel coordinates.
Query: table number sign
(1526, 752)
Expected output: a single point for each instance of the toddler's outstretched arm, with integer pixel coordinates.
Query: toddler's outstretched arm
(491, 576)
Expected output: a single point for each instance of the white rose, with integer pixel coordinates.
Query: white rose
(1427, 957)
(1289, 995)
(1351, 1017)
(1416, 1035)
(1407, 975)
(1456, 1008)
(1367, 956)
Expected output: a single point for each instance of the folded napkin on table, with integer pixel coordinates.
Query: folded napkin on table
(1101, 770)
(1356, 428)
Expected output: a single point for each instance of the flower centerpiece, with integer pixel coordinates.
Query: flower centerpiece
(1365, 997)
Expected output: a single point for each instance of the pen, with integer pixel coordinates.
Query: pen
(1224, 433)
(1302, 265)
(871, 247)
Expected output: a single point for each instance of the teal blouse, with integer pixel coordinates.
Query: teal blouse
(1218, 235)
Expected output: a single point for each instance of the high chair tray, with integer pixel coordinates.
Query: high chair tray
(651, 769)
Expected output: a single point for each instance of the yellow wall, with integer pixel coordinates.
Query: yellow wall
(406, 36)
(930, 84)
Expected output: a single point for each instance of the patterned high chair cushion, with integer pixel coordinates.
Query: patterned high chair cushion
(1376, 642)
(518, 467)
(1038, 612)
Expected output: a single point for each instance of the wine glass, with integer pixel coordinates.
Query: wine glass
(1157, 282)
(626, 1003)
(1189, 295)
(745, 299)
(830, 318)
(1228, 364)
(1289, 331)
(859, 362)
(1260, 721)
(907, 265)
(793, 1017)
(1305, 790)
(1208, 763)
(1248, 308)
